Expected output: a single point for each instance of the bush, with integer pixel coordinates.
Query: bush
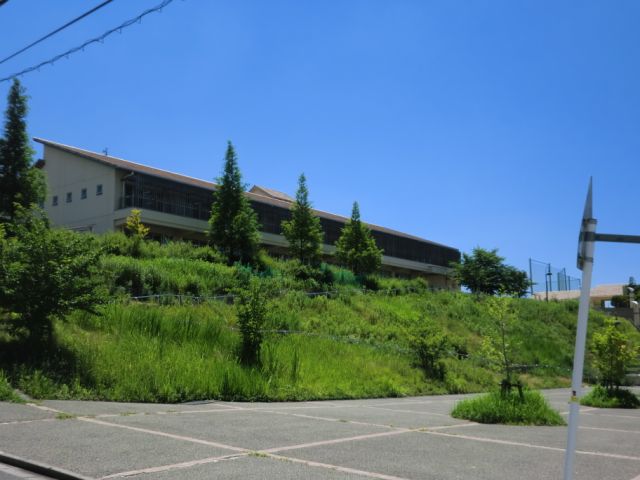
(429, 344)
(509, 409)
(601, 397)
(613, 352)
(252, 311)
(7, 394)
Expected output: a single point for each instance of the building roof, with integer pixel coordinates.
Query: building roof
(268, 196)
(269, 192)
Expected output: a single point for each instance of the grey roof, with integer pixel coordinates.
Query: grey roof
(184, 179)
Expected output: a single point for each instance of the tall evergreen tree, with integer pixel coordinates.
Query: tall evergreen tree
(233, 225)
(20, 181)
(303, 231)
(356, 248)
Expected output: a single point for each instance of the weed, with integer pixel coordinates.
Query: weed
(601, 397)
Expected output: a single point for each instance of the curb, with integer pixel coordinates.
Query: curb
(41, 468)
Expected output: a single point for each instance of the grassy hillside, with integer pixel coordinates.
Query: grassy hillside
(345, 344)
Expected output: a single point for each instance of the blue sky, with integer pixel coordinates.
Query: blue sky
(469, 123)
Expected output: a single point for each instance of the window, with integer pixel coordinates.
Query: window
(99, 189)
(69, 197)
(54, 201)
(83, 193)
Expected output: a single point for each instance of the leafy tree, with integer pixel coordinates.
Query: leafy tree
(303, 231)
(137, 230)
(614, 352)
(356, 248)
(252, 312)
(46, 273)
(233, 225)
(429, 344)
(501, 343)
(21, 182)
(484, 271)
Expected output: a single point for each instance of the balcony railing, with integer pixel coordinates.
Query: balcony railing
(197, 211)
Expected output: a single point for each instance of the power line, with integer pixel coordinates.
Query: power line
(99, 39)
(68, 24)
(2, 2)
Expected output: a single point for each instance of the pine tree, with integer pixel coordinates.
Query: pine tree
(303, 231)
(233, 225)
(20, 181)
(356, 248)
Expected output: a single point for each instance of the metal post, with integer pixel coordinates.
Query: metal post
(581, 335)
(530, 277)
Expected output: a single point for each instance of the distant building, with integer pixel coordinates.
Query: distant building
(88, 191)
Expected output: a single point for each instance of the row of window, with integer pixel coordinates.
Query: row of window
(83, 195)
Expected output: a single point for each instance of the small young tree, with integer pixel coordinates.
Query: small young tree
(303, 231)
(45, 274)
(501, 341)
(233, 225)
(614, 352)
(429, 344)
(356, 248)
(252, 311)
(137, 230)
(20, 182)
(484, 271)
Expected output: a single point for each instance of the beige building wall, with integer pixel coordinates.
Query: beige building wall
(68, 173)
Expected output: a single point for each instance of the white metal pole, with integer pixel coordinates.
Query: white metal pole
(581, 337)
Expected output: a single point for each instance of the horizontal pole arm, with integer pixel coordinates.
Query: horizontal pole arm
(612, 237)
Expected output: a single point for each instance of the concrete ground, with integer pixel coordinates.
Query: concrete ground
(405, 438)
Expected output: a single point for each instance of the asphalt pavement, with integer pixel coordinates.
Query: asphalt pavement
(392, 438)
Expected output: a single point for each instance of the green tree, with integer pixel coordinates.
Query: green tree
(614, 352)
(484, 271)
(501, 343)
(233, 225)
(429, 344)
(356, 248)
(137, 230)
(303, 231)
(252, 312)
(46, 273)
(21, 182)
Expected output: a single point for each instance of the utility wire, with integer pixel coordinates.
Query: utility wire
(68, 24)
(99, 39)
(2, 2)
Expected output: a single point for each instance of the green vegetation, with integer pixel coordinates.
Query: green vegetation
(7, 394)
(356, 248)
(233, 226)
(21, 183)
(484, 271)
(510, 409)
(264, 337)
(303, 231)
(601, 397)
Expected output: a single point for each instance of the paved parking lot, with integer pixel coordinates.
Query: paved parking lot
(405, 438)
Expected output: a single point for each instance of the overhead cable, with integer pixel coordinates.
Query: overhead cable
(68, 24)
(99, 39)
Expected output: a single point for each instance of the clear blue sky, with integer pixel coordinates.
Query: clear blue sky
(470, 123)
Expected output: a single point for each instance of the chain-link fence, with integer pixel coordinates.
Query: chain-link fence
(545, 277)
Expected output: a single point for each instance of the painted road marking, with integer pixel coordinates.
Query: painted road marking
(338, 468)
(174, 466)
(164, 434)
(338, 440)
(531, 445)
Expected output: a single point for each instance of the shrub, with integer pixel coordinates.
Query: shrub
(252, 311)
(429, 344)
(613, 352)
(601, 397)
(7, 394)
(510, 409)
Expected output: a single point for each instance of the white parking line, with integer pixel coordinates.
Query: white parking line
(611, 430)
(411, 411)
(338, 440)
(174, 466)
(164, 434)
(531, 445)
(338, 468)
